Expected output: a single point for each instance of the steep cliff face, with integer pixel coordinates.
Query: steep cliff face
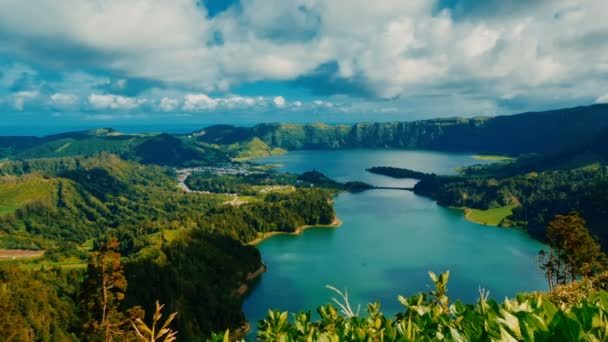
(541, 132)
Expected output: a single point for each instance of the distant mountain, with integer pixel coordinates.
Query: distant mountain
(533, 132)
(546, 133)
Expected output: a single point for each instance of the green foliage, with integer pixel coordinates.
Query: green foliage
(569, 294)
(154, 332)
(199, 273)
(85, 198)
(198, 276)
(38, 305)
(536, 197)
(238, 184)
(16, 192)
(492, 216)
(103, 290)
(165, 149)
(494, 158)
(573, 252)
(255, 148)
(283, 212)
(162, 149)
(432, 317)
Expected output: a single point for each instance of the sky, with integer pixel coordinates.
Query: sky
(131, 63)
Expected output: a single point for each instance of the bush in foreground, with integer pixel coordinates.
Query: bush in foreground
(432, 317)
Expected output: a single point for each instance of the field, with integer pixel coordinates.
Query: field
(19, 254)
(16, 192)
(68, 263)
(495, 158)
(491, 217)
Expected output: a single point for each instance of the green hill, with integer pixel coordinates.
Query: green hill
(16, 192)
(161, 149)
(534, 132)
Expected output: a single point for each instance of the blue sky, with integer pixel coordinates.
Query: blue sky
(90, 63)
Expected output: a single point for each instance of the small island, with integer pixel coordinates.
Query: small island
(316, 178)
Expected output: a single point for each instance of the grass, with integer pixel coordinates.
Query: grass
(489, 157)
(16, 192)
(266, 189)
(8, 208)
(172, 234)
(87, 245)
(491, 217)
(256, 148)
(68, 263)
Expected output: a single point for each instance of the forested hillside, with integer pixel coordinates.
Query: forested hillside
(187, 249)
(535, 188)
(539, 132)
(161, 149)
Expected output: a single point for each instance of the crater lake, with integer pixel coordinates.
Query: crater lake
(388, 241)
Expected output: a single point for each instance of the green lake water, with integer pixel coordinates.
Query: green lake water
(388, 241)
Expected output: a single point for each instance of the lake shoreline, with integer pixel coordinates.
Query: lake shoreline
(298, 231)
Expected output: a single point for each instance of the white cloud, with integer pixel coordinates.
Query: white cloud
(196, 102)
(63, 99)
(168, 104)
(22, 97)
(111, 101)
(9, 74)
(279, 101)
(322, 103)
(393, 49)
(200, 102)
(480, 41)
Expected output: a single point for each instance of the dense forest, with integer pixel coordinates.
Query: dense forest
(537, 197)
(537, 186)
(68, 206)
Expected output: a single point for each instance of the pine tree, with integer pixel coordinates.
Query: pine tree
(104, 289)
(574, 252)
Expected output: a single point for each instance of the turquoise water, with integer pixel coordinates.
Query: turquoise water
(388, 242)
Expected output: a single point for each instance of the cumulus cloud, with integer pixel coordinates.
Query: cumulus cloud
(63, 99)
(168, 104)
(111, 101)
(195, 102)
(480, 41)
(279, 101)
(386, 50)
(204, 102)
(239, 102)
